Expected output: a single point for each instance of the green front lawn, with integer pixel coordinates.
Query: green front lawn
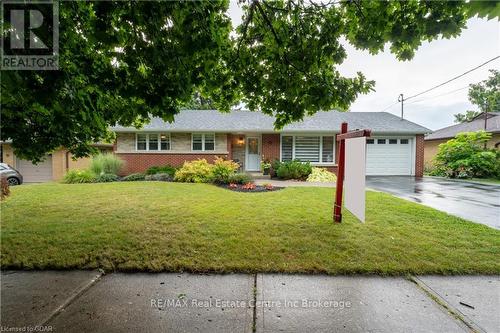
(153, 226)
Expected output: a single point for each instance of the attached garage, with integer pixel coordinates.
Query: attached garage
(35, 173)
(390, 156)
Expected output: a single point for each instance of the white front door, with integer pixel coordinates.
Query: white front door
(253, 153)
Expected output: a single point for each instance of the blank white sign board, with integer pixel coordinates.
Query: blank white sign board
(355, 176)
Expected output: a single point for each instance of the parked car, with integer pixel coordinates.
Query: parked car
(13, 176)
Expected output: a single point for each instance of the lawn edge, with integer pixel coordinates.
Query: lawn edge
(253, 271)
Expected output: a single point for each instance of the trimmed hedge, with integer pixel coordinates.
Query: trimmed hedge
(133, 177)
(293, 170)
(161, 169)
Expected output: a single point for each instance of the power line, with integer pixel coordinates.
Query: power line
(452, 79)
(440, 95)
(390, 106)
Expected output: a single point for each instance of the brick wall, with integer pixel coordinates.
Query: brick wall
(141, 162)
(270, 147)
(419, 155)
(330, 168)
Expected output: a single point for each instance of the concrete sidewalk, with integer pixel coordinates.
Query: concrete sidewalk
(87, 301)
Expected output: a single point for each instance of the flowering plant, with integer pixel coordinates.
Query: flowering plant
(248, 186)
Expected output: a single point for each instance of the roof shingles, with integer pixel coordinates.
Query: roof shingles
(248, 121)
(493, 126)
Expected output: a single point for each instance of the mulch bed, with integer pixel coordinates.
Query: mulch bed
(258, 188)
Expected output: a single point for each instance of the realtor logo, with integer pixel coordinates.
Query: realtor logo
(30, 35)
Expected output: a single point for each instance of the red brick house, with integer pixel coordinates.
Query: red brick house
(395, 148)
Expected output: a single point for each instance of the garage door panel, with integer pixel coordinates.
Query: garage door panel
(35, 173)
(389, 159)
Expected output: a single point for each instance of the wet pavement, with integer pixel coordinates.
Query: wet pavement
(85, 301)
(476, 202)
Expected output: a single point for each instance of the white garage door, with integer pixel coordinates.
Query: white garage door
(389, 156)
(35, 173)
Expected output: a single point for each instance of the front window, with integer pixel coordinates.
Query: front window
(308, 148)
(153, 141)
(142, 141)
(203, 141)
(165, 142)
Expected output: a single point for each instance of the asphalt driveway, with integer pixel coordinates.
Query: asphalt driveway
(479, 203)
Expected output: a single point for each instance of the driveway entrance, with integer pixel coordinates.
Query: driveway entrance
(479, 203)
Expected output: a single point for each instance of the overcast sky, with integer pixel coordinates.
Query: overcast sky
(433, 64)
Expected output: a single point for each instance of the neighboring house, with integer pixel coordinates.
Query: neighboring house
(53, 167)
(395, 148)
(432, 141)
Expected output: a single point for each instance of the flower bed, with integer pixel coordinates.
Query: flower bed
(251, 187)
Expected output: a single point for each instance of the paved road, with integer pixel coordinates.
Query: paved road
(86, 301)
(479, 203)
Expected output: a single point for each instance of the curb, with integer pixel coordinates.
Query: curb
(457, 314)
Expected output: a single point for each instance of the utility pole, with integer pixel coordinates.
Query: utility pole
(486, 117)
(401, 99)
(486, 122)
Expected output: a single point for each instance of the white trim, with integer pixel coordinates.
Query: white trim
(158, 136)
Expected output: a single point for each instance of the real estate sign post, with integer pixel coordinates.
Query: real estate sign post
(355, 144)
(355, 177)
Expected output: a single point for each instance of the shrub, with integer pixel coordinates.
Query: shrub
(79, 176)
(321, 175)
(294, 170)
(223, 170)
(275, 165)
(5, 188)
(159, 177)
(106, 178)
(268, 186)
(106, 163)
(240, 178)
(161, 169)
(199, 171)
(465, 156)
(134, 177)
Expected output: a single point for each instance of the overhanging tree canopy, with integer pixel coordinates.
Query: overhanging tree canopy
(122, 61)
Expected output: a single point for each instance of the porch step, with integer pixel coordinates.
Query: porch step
(258, 175)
